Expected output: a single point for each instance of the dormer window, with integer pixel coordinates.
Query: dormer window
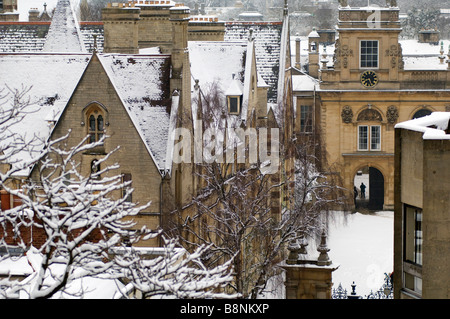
(234, 96)
(234, 104)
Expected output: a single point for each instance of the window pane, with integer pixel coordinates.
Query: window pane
(92, 123)
(100, 123)
(233, 104)
(306, 118)
(375, 138)
(413, 236)
(369, 54)
(418, 238)
(363, 138)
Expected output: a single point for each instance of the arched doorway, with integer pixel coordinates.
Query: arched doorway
(369, 183)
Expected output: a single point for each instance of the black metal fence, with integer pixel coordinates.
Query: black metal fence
(386, 291)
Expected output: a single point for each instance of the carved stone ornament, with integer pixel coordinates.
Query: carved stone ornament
(392, 114)
(347, 114)
(370, 115)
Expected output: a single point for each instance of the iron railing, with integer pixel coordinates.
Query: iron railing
(386, 291)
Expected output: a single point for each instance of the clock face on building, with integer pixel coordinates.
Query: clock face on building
(369, 78)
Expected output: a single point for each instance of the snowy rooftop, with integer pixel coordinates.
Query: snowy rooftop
(30, 36)
(64, 34)
(51, 79)
(217, 65)
(140, 81)
(433, 126)
(267, 37)
(216, 62)
(303, 82)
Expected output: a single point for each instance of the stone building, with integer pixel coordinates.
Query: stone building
(142, 85)
(352, 93)
(8, 10)
(422, 201)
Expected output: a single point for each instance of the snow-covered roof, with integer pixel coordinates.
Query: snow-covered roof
(267, 37)
(303, 82)
(432, 126)
(141, 81)
(217, 62)
(64, 34)
(16, 37)
(222, 66)
(51, 79)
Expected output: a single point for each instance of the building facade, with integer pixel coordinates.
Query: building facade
(421, 219)
(366, 82)
(144, 85)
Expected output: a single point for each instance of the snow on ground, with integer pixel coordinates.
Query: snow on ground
(362, 244)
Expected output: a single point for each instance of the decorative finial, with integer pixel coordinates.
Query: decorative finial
(324, 259)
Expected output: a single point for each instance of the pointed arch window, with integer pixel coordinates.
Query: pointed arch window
(96, 127)
(96, 119)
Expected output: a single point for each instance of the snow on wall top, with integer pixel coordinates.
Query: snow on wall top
(142, 83)
(267, 37)
(64, 34)
(433, 126)
(51, 79)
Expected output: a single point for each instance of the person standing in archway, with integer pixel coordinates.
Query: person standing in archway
(363, 190)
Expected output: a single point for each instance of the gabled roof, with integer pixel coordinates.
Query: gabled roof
(51, 79)
(142, 83)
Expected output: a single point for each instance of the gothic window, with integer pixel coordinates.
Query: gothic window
(421, 113)
(1, 4)
(95, 119)
(369, 54)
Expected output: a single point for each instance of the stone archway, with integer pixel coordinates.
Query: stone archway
(369, 182)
